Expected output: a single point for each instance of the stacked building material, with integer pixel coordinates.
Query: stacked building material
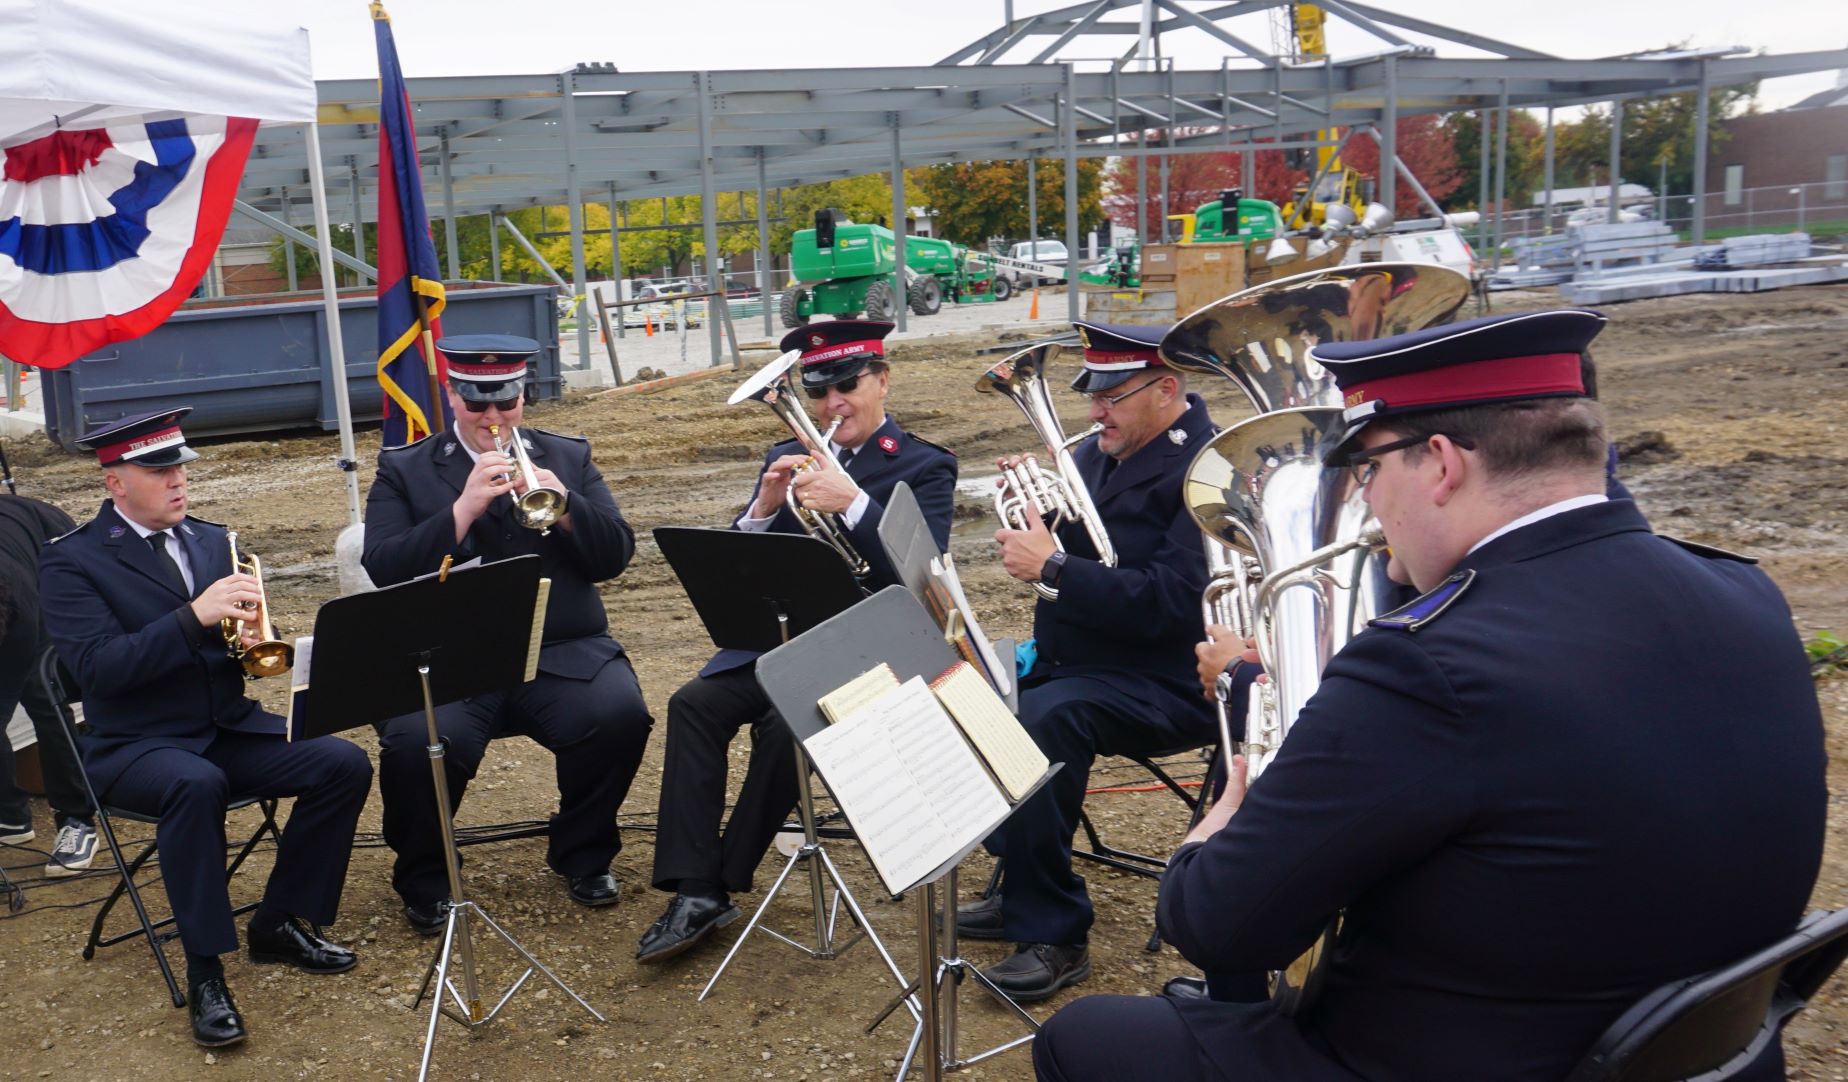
(1757, 250)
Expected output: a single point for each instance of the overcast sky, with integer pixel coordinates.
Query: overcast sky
(478, 37)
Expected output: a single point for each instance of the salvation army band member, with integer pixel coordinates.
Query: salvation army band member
(133, 601)
(845, 375)
(453, 494)
(1523, 789)
(1113, 671)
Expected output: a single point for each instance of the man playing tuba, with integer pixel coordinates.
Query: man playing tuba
(1112, 673)
(845, 377)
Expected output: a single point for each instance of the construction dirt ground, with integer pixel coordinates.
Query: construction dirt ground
(1729, 412)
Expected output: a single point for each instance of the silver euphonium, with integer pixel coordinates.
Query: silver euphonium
(774, 386)
(1028, 491)
(1294, 555)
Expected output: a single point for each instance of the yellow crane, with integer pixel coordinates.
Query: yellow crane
(1340, 184)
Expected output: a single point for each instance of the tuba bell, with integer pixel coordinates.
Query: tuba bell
(1029, 490)
(775, 387)
(1291, 546)
(268, 656)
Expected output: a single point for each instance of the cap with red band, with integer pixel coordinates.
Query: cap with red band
(1477, 361)
(837, 350)
(1113, 352)
(487, 367)
(147, 439)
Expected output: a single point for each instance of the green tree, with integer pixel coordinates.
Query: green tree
(973, 201)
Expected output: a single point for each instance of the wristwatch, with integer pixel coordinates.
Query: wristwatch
(1052, 569)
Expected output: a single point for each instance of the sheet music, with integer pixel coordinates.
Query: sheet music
(1016, 760)
(943, 569)
(913, 789)
(298, 682)
(538, 635)
(858, 692)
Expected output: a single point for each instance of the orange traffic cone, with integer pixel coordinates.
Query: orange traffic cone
(1033, 312)
(648, 323)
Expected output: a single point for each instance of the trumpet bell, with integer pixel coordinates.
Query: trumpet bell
(1260, 338)
(267, 658)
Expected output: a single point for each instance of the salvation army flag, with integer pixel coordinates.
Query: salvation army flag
(410, 282)
(105, 230)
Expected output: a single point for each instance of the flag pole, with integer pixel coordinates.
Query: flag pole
(436, 418)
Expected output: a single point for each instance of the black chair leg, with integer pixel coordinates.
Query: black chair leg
(126, 885)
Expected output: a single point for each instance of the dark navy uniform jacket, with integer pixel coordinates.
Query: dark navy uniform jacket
(1599, 769)
(928, 469)
(1142, 616)
(151, 675)
(409, 530)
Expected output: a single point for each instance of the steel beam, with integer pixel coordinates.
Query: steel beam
(708, 215)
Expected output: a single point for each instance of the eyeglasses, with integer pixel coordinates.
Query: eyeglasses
(502, 404)
(1364, 469)
(845, 386)
(1111, 401)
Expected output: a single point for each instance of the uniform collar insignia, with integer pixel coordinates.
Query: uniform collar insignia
(888, 445)
(449, 448)
(187, 527)
(1179, 436)
(117, 531)
(1422, 610)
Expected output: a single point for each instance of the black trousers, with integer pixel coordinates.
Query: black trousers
(1154, 1038)
(596, 730)
(20, 652)
(1074, 719)
(702, 718)
(329, 779)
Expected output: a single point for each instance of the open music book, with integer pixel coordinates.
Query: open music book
(922, 771)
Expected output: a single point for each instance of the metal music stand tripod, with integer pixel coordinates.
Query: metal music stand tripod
(756, 591)
(894, 628)
(407, 648)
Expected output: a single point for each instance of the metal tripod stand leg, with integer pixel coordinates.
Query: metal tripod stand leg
(826, 915)
(935, 1033)
(456, 935)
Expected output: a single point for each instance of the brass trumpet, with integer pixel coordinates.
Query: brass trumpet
(536, 508)
(269, 656)
(775, 387)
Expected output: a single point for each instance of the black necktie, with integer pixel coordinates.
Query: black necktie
(168, 564)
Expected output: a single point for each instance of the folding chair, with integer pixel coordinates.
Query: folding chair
(1125, 860)
(61, 688)
(1715, 1026)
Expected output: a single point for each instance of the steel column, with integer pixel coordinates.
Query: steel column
(616, 275)
(359, 219)
(574, 203)
(1068, 131)
(494, 256)
(1501, 171)
(449, 213)
(288, 246)
(900, 309)
(766, 276)
(1547, 219)
(1032, 209)
(1485, 124)
(1702, 103)
(709, 229)
(1616, 169)
(1389, 135)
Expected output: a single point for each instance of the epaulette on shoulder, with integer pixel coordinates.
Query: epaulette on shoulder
(559, 435)
(927, 443)
(81, 527)
(208, 522)
(1709, 551)
(405, 446)
(1422, 610)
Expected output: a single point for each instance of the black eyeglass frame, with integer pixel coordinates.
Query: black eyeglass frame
(1111, 401)
(845, 386)
(1363, 464)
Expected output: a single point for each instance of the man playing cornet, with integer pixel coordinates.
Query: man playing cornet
(457, 494)
(133, 601)
(845, 377)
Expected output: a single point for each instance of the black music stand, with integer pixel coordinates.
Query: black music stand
(412, 646)
(893, 627)
(756, 591)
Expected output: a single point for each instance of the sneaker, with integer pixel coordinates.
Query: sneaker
(74, 849)
(14, 834)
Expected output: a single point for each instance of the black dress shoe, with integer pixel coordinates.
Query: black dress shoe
(981, 919)
(689, 919)
(428, 919)
(215, 1021)
(1038, 970)
(598, 889)
(299, 944)
(1185, 988)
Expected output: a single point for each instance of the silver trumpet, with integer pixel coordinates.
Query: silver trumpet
(774, 386)
(536, 508)
(1028, 491)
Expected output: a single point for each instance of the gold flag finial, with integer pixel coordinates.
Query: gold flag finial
(378, 11)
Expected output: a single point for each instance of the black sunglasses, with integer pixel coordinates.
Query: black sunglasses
(845, 386)
(502, 404)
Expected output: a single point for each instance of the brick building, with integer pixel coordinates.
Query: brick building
(1750, 175)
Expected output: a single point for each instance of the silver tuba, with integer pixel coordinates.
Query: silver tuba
(774, 386)
(1029, 490)
(1292, 547)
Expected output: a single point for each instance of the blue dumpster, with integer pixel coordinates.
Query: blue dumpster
(260, 365)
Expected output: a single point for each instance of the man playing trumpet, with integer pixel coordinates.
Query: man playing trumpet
(458, 495)
(134, 601)
(845, 376)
